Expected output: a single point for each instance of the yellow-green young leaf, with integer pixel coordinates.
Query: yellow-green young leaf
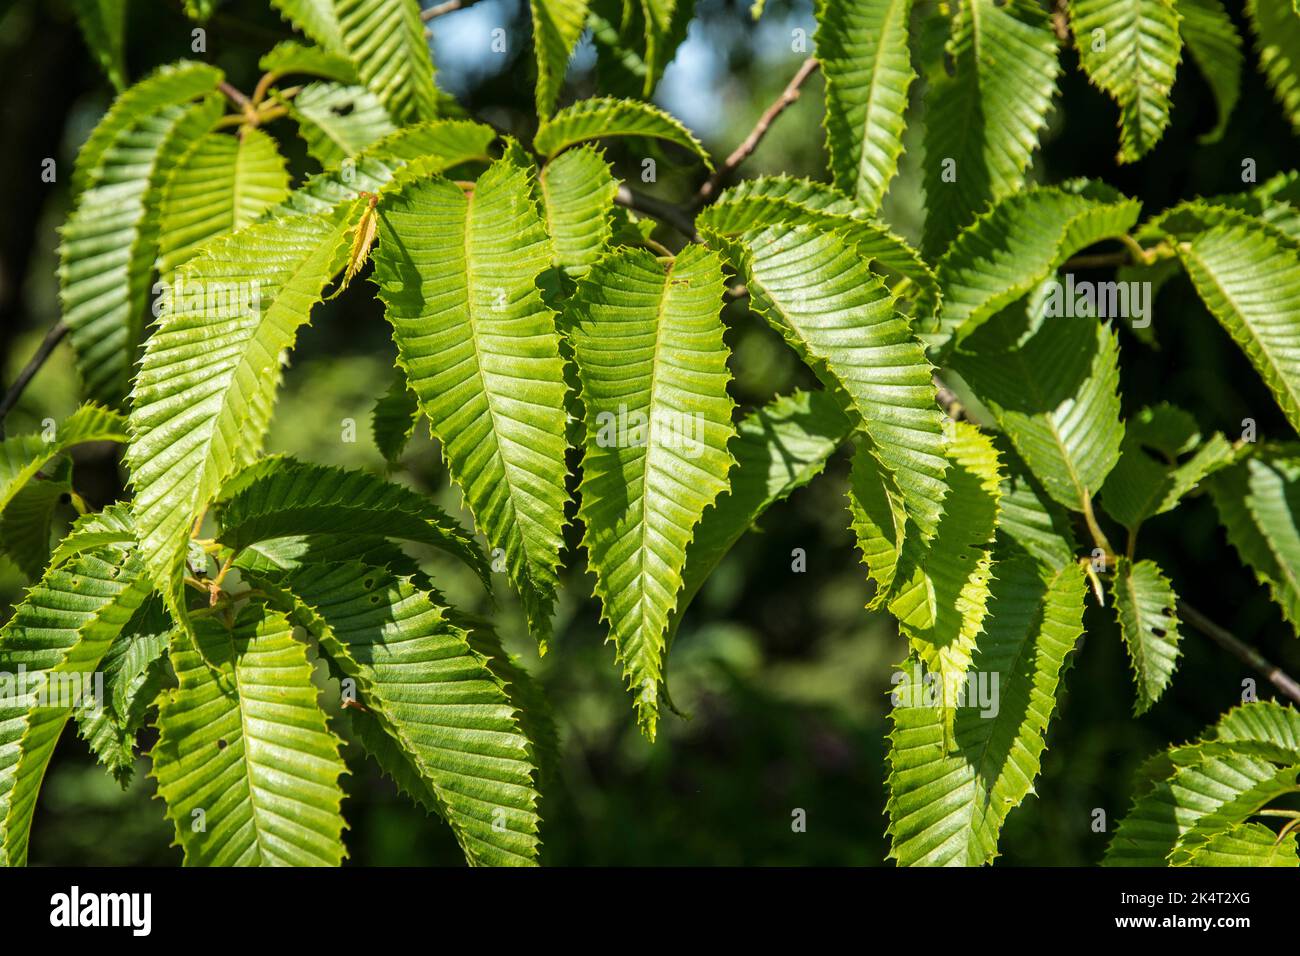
(604, 117)
(58, 636)
(1248, 276)
(1054, 390)
(778, 449)
(949, 794)
(282, 497)
(393, 420)
(863, 51)
(577, 192)
(224, 183)
(453, 735)
(429, 148)
(1276, 24)
(557, 25)
(984, 118)
(1022, 241)
(134, 674)
(23, 456)
(1255, 503)
(647, 339)
(316, 18)
(27, 522)
(1191, 794)
(1212, 40)
(339, 121)
(1154, 473)
(1246, 844)
(878, 519)
(1146, 608)
(941, 594)
(169, 85)
(244, 746)
(814, 288)
(291, 57)
(768, 200)
(203, 399)
(103, 24)
(457, 275)
(110, 243)
(385, 39)
(1130, 49)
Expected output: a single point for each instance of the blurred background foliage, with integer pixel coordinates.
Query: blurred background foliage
(783, 674)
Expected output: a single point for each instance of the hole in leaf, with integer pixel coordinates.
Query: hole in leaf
(1158, 631)
(221, 744)
(343, 109)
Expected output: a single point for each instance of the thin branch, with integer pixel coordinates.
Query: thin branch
(709, 190)
(1243, 652)
(665, 212)
(52, 338)
(451, 6)
(234, 95)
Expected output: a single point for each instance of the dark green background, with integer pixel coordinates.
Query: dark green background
(784, 675)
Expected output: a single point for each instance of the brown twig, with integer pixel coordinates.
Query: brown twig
(52, 338)
(451, 6)
(1280, 679)
(709, 190)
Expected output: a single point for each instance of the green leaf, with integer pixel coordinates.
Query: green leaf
(1055, 394)
(1140, 46)
(385, 39)
(577, 193)
(769, 200)
(557, 25)
(23, 456)
(339, 121)
(985, 116)
(243, 746)
(1146, 608)
(1258, 502)
(203, 398)
(814, 288)
(862, 47)
(448, 718)
(778, 449)
(103, 24)
(1276, 24)
(1246, 844)
(1212, 40)
(111, 240)
(428, 149)
(1017, 245)
(1028, 519)
(457, 276)
(948, 801)
(647, 339)
(316, 18)
(224, 183)
(394, 418)
(58, 635)
(1149, 478)
(1248, 276)
(1193, 793)
(27, 522)
(134, 673)
(283, 497)
(170, 85)
(633, 47)
(606, 116)
(291, 57)
(941, 597)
